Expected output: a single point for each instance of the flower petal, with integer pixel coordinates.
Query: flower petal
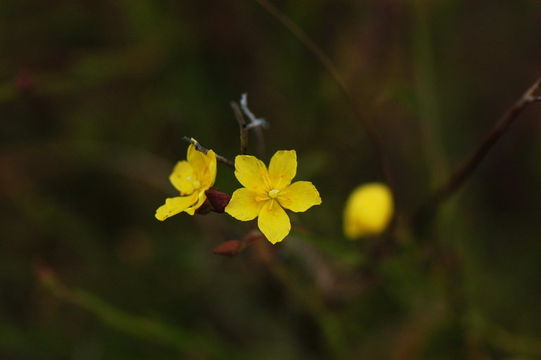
(204, 165)
(182, 177)
(299, 196)
(201, 198)
(273, 221)
(174, 206)
(243, 205)
(210, 175)
(283, 168)
(252, 173)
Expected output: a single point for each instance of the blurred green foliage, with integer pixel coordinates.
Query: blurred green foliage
(95, 97)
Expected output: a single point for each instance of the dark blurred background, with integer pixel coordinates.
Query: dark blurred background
(96, 95)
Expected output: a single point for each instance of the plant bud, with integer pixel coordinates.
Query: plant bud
(217, 199)
(228, 248)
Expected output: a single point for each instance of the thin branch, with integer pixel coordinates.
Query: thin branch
(248, 121)
(143, 328)
(257, 124)
(242, 127)
(329, 66)
(204, 150)
(464, 171)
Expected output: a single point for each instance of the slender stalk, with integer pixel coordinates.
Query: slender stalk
(186, 341)
(309, 300)
(257, 124)
(203, 149)
(248, 121)
(428, 107)
(465, 170)
(329, 66)
(242, 127)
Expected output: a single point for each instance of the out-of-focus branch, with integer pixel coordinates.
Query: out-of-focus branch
(309, 300)
(329, 66)
(203, 149)
(464, 171)
(146, 329)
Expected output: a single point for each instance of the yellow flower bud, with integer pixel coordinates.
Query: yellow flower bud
(368, 210)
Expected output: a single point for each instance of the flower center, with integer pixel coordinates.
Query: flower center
(273, 193)
(195, 183)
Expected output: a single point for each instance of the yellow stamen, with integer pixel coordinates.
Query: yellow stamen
(261, 198)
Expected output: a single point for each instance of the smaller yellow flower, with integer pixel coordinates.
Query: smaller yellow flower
(267, 192)
(368, 210)
(191, 178)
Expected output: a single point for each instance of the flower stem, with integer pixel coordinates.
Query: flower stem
(330, 67)
(203, 149)
(426, 210)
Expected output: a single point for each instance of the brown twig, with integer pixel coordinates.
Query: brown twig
(329, 66)
(248, 121)
(257, 124)
(242, 127)
(203, 149)
(464, 171)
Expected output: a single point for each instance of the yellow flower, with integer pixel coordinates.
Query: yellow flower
(267, 192)
(368, 210)
(191, 178)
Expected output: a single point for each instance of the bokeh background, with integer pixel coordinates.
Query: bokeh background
(96, 95)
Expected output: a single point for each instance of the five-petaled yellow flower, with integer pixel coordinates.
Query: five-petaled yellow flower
(191, 178)
(368, 210)
(267, 192)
